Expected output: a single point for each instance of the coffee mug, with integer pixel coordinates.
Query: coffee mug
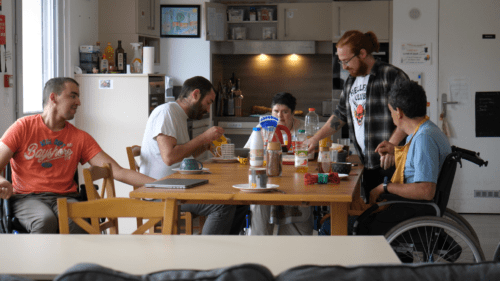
(225, 151)
(257, 178)
(191, 164)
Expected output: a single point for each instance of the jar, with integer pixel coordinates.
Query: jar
(274, 159)
(324, 160)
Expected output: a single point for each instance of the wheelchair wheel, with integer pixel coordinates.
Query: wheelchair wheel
(454, 216)
(433, 240)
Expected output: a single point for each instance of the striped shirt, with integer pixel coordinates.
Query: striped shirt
(378, 121)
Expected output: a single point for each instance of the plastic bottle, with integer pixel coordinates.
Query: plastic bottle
(104, 64)
(312, 126)
(256, 148)
(110, 54)
(136, 62)
(301, 159)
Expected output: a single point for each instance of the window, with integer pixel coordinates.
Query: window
(41, 44)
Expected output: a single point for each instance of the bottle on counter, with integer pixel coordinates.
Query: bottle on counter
(256, 148)
(230, 104)
(98, 45)
(301, 159)
(312, 126)
(104, 64)
(120, 59)
(109, 51)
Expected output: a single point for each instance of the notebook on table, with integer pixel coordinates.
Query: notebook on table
(176, 183)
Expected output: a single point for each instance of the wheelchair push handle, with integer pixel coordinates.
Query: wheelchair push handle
(470, 156)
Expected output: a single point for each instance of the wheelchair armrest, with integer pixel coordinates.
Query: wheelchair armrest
(394, 197)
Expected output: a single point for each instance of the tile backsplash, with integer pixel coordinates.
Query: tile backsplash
(307, 77)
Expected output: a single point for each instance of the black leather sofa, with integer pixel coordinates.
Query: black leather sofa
(443, 272)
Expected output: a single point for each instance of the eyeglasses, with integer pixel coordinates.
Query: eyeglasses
(347, 62)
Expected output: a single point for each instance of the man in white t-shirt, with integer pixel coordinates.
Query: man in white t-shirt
(166, 142)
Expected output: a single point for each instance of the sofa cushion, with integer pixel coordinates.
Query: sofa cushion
(241, 272)
(94, 272)
(452, 272)
(6, 277)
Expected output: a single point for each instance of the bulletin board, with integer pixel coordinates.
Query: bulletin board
(487, 114)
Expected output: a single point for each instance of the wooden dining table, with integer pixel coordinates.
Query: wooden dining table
(291, 190)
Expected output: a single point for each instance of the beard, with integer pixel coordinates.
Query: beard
(196, 111)
(361, 71)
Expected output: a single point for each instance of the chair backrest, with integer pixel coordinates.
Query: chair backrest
(110, 208)
(132, 152)
(445, 180)
(105, 173)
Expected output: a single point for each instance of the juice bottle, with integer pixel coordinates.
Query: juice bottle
(301, 159)
(312, 126)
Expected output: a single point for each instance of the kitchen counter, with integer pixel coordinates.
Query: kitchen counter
(254, 119)
(238, 129)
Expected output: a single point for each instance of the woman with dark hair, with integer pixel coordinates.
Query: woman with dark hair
(283, 106)
(291, 220)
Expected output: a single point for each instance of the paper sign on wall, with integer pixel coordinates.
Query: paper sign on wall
(416, 53)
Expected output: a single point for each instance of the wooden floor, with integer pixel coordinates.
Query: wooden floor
(487, 227)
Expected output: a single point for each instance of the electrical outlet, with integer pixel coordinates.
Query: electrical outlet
(486, 194)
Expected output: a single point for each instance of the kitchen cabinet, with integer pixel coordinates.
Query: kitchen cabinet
(130, 21)
(363, 16)
(234, 22)
(305, 21)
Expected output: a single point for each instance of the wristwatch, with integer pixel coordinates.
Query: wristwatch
(385, 186)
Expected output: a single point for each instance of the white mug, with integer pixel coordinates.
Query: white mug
(225, 151)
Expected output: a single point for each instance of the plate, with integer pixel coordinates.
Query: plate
(190, 172)
(343, 175)
(245, 187)
(222, 160)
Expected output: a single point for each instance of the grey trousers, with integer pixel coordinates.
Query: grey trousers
(219, 217)
(38, 212)
(260, 223)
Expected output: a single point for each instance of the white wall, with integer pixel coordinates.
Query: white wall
(82, 29)
(184, 58)
(422, 30)
(7, 95)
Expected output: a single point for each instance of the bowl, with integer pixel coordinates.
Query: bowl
(341, 167)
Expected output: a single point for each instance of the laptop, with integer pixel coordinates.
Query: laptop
(176, 183)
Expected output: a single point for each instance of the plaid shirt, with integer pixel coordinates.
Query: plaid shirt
(378, 121)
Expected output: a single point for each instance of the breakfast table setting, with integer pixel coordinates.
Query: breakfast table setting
(228, 183)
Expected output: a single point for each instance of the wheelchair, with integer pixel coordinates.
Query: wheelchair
(436, 234)
(9, 223)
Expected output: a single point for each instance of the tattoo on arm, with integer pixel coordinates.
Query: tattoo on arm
(335, 123)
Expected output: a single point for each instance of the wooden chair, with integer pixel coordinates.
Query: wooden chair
(135, 151)
(114, 208)
(108, 188)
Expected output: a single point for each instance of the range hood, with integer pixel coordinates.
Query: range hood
(274, 47)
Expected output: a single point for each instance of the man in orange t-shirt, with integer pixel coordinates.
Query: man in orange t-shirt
(44, 151)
